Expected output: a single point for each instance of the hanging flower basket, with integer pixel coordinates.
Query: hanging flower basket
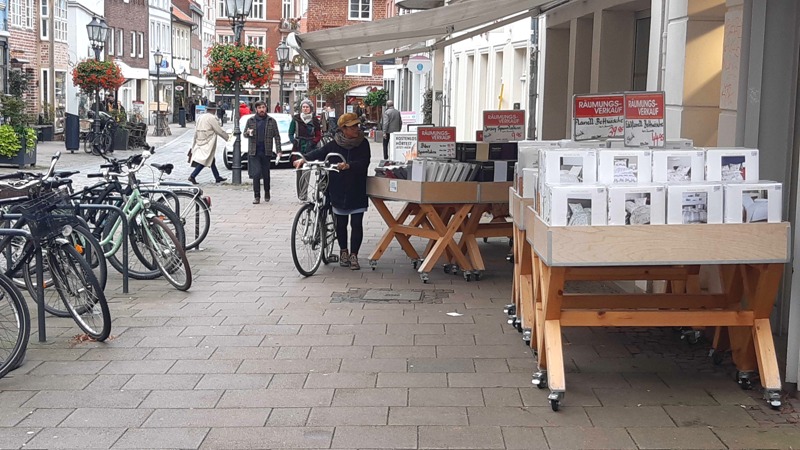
(91, 75)
(226, 62)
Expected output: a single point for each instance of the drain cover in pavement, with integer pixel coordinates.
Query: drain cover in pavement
(401, 295)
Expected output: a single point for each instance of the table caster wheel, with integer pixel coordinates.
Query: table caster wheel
(518, 324)
(373, 264)
(717, 357)
(510, 309)
(446, 268)
(745, 380)
(512, 319)
(526, 335)
(415, 264)
(468, 276)
(476, 275)
(424, 277)
(555, 400)
(485, 240)
(540, 379)
(510, 257)
(691, 336)
(773, 398)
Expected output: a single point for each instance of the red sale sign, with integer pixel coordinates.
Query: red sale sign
(598, 116)
(503, 126)
(436, 142)
(644, 119)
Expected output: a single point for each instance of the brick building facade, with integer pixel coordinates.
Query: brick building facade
(23, 43)
(127, 43)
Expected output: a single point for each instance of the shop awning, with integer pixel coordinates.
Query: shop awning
(197, 81)
(408, 33)
(132, 73)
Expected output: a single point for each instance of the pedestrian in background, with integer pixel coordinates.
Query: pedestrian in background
(262, 131)
(243, 109)
(347, 188)
(392, 123)
(304, 131)
(204, 146)
(278, 108)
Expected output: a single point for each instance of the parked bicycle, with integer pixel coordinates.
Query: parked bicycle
(99, 142)
(15, 319)
(314, 227)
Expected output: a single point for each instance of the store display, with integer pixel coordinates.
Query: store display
(530, 183)
(678, 166)
(574, 205)
(567, 166)
(732, 164)
(753, 202)
(694, 203)
(624, 166)
(636, 204)
(671, 144)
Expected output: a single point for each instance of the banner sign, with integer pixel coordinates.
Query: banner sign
(644, 119)
(598, 117)
(403, 146)
(503, 126)
(436, 142)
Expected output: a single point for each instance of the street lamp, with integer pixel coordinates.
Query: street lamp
(158, 58)
(283, 58)
(184, 94)
(237, 12)
(97, 31)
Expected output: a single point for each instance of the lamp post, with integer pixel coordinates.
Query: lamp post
(283, 58)
(184, 94)
(237, 12)
(158, 58)
(97, 31)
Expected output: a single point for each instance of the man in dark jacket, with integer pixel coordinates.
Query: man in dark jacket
(392, 122)
(347, 188)
(262, 131)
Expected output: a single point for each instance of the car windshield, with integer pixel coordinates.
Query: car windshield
(284, 120)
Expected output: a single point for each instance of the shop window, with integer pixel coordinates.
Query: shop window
(360, 10)
(360, 70)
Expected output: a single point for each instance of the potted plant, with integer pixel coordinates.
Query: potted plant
(228, 63)
(45, 124)
(17, 138)
(121, 132)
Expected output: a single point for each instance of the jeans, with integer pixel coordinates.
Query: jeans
(214, 170)
(357, 229)
(258, 166)
(386, 138)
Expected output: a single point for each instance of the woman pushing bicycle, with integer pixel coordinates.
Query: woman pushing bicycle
(347, 188)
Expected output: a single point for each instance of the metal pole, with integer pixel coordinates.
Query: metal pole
(158, 100)
(236, 169)
(280, 90)
(96, 123)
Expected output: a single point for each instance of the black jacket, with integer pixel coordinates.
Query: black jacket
(348, 188)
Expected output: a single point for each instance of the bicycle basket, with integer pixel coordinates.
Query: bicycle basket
(309, 182)
(47, 214)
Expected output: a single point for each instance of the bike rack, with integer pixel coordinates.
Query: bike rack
(124, 241)
(172, 194)
(37, 249)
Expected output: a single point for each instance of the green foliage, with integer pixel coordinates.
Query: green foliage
(427, 106)
(13, 112)
(9, 141)
(376, 98)
(18, 81)
(229, 62)
(30, 140)
(331, 91)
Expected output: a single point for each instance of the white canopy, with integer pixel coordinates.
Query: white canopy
(359, 44)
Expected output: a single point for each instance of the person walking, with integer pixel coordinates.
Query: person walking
(262, 131)
(347, 188)
(204, 146)
(278, 108)
(392, 123)
(243, 109)
(220, 112)
(331, 119)
(305, 130)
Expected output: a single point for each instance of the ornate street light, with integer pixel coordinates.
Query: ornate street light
(237, 12)
(97, 31)
(283, 57)
(158, 58)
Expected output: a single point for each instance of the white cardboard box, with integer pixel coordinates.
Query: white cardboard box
(574, 204)
(681, 143)
(569, 143)
(567, 166)
(640, 204)
(624, 166)
(530, 182)
(679, 166)
(759, 201)
(694, 203)
(732, 164)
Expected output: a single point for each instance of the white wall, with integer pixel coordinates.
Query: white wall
(78, 16)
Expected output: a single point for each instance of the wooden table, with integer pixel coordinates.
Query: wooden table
(445, 211)
(748, 259)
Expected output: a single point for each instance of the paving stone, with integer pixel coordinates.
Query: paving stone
(275, 398)
(445, 397)
(288, 417)
(502, 397)
(524, 438)
(288, 381)
(307, 340)
(292, 352)
(12, 416)
(444, 339)
(165, 437)
(431, 415)
(440, 365)
(69, 367)
(588, 438)
(374, 365)
(182, 399)
(629, 416)
(106, 418)
(290, 366)
(230, 341)
(181, 353)
(234, 381)
(211, 330)
(208, 418)
(343, 352)
(358, 329)
(383, 339)
(712, 416)
(343, 415)
(270, 329)
(489, 380)
(112, 354)
(404, 351)
(482, 351)
(375, 437)
(241, 353)
(371, 397)
(460, 437)
(577, 395)
(168, 342)
(412, 380)
(43, 417)
(269, 437)
(634, 397)
(402, 328)
(75, 437)
(340, 380)
(86, 399)
(18, 436)
(162, 381)
(137, 367)
(109, 381)
(675, 438)
(205, 366)
(527, 416)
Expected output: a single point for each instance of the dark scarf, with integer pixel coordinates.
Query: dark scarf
(347, 143)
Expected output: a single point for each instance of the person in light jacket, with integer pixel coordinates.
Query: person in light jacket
(392, 122)
(204, 146)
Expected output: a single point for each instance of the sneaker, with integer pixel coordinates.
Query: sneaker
(221, 179)
(256, 201)
(193, 181)
(354, 262)
(266, 197)
(344, 258)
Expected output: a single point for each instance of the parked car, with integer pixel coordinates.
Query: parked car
(284, 120)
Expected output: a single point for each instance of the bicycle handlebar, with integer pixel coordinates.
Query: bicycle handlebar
(37, 179)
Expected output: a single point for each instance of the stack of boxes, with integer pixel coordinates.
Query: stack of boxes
(596, 183)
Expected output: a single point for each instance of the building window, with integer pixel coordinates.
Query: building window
(133, 44)
(259, 41)
(45, 85)
(359, 70)
(120, 41)
(60, 20)
(141, 44)
(225, 38)
(258, 10)
(288, 9)
(44, 29)
(360, 10)
(221, 9)
(21, 13)
(110, 42)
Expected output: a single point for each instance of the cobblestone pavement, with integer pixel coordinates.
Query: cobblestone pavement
(255, 356)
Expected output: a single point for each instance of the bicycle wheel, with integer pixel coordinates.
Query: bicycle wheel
(89, 248)
(88, 142)
(80, 290)
(329, 235)
(140, 263)
(15, 326)
(194, 214)
(306, 240)
(169, 255)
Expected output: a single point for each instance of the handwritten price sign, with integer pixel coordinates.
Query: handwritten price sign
(436, 142)
(598, 117)
(644, 119)
(503, 126)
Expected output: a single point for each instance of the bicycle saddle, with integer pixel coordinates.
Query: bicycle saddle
(166, 168)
